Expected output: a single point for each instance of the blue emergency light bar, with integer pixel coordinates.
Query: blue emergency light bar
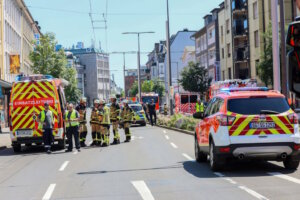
(244, 89)
(22, 77)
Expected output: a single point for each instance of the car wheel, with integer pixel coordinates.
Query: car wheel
(199, 155)
(289, 163)
(17, 148)
(214, 161)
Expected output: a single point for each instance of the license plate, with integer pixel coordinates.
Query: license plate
(262, 125)
(24, 133)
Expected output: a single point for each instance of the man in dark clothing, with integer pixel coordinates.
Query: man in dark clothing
(145, 108)
(152, 112)
(46, 123)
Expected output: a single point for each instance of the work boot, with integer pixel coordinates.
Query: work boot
(104, 144)
(82, 144)
(93, 143)
(128, 138)
(118, 141)
(115, 142)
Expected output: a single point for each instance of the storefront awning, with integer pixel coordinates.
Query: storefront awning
(5, 84)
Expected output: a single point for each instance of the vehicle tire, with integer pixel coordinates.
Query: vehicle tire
(291, 164)
(143, 124)
(62, 143)
(214, 161)
(199, 155)
(17, 148)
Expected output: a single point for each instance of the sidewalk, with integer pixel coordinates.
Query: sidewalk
(4, 139)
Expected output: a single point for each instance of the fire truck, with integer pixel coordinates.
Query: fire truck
(185, 102)
(27, 99)
(148, 97)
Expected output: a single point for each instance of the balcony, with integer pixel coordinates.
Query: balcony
(241, 55)
(240, 27)
(239, 7)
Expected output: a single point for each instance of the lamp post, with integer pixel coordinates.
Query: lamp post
(177, 75)
(139, 57)
(169, 58)
(124, 64)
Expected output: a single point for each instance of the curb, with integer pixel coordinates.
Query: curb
(177, 129)
(3, 147)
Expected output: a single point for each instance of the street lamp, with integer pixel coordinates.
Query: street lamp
(139, 57)
(124, 63)
(169, 58)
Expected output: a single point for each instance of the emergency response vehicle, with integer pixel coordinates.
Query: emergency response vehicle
(148, 97)
(28, 96)
(248, 123)
(139, 114)
(185, 102)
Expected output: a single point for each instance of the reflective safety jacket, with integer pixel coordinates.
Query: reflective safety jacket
(72, 117)
(199, 107)
(94, 116)
(105, 116)
(43, 118)
(127, 114)
(114, 112)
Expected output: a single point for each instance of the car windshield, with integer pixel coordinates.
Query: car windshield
(136, 108)
(148, 99)
(256, 106)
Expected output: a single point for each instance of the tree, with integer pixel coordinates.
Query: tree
(265, 66)
(195, 78)
(134, 89)
(158, 87)
(147, 86)
(50, 62)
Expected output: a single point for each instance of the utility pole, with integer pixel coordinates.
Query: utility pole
(139, 58)
(275, 40)
(169, 59)
(283, 51)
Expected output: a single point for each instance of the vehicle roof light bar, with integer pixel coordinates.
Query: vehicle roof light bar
(244, 89)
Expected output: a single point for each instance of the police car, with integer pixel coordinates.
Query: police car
(248, 123)
(139, 114)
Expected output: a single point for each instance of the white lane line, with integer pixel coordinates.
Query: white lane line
(49, 192)
(167, 137)
(164, 131)
(286, 177)
(253, 193)
(187, 157)
(63, 166)
(174, 145)
(142, 188)
(132, 137)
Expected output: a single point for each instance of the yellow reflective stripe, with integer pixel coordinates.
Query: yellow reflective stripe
(26, 92)
(15, 112)
(274, 131)
(20, 91)
(242, 126)
(21, 122)
(40, 92)
(19, 115)
(50, 85)
(229, 113)
(280, 124)
(236, 119)
(45, 89)
(250, 132)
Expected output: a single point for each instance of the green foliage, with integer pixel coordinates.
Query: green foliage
(147, 86)
(158, 87)
(265, 66)
(134, 89)
(178, 121)
(47, 61)
(195, 78)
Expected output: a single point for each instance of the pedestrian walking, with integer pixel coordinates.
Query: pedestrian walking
(46, 124)
(72, 123)
(104, 118)
(152, 112)
(114, 118)
(126, 117)
(81, 109)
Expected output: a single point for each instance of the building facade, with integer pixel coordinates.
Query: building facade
(95, 79)
(156, 61)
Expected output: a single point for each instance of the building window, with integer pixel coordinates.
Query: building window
(223, 53)
(229, 73)
(256, 66)
(223, 75)
(227, 26)
(210, 34)
(228, 50)
(256, 39)
(255, 10)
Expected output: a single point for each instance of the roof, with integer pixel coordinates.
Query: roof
(173, 37)
(198, 33)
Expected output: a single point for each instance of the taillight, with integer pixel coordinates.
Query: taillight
(226, 120)
(297, 147)
(293, 118)
(224, 149)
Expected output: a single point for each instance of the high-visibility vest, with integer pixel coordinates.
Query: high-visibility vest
(43, 117)
(199, 108)
(72, 117)
(105, 115)
(127, 114)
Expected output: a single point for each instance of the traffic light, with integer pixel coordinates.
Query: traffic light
(293, 39)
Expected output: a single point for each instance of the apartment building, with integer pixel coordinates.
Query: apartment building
(156, 60)
(242, 24)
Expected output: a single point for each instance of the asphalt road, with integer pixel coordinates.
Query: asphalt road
(157, 164)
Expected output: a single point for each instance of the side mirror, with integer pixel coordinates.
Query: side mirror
(198, 115)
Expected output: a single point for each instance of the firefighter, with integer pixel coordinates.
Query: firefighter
(165, 109)
(95, 124)
(115, 117)
(126, 116)
(81, 108)
(104, 118)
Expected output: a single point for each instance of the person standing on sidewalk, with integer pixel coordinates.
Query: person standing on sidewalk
(46, 123)
(152, 112)
(72, 123)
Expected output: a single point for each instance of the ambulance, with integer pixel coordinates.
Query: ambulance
(27, 99)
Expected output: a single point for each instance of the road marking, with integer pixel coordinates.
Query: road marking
(164, 131)
(253, 193)
(141, 137)
(133, 138)
(167, 137)
(286, 177)
(142, 188)
(173, 145)
(64, 165)
(187, 157)
(49, 192)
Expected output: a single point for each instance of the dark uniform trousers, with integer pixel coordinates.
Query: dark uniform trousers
(73, 131)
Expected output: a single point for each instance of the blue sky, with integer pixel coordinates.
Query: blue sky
(70, 21)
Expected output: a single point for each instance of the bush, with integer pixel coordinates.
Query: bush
(178, 121)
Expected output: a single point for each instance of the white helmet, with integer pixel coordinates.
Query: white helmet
(101, 102)
(96, 101)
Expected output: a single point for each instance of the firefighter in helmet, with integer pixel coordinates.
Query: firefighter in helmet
(95, 124)
(104, 119)
(115, 117)
(126, 117)
(81, 108)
